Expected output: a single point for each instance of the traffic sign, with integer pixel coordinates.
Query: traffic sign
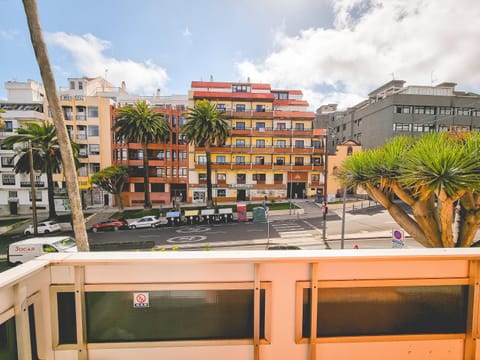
(398, 238)
(141, 300)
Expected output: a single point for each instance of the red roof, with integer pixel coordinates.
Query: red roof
(231, 95)
(290, 92)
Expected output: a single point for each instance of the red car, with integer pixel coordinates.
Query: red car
(110, 224)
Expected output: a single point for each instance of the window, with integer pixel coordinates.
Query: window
(160, 172)
(221, 193)
(241, 88)
(278, 178)
(422, 127)
(317, 144)
(280, 161)
(93, 130)
(156, 187)
(139, 187)
(181, 120)
(221, 178)
(281, 143)
(240, 125)
(315, 177)
(94, 167)
(319, 160)
(258, 177)
(174, 121)
(260, 143)
(8, 126)
(82, 170)
(463, 111)
(259, 160)
(240, 108)
(202, 178)
(8, 179)
(298, 161)
(12, 194)
(402, 109)
(94, 149)
(260, 108)
(221, 107)
(80, 85)
(445, 110)
(182, 155)
(6, 162)
(93, 111)
(299, 126)
(401, 127)
(240, 159)
(241, 178)
(202, 159)
(38, 195)
(183, 172)
(387, 310)
(281, 126)
(299, 144)
(221, 160)
(260, 126)
(280, 95)
(161, 155)
(72, 85)
(167, 155)
(240, 143)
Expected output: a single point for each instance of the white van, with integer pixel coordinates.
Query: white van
(22, 251)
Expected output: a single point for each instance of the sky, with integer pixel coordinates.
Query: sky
(334, 51)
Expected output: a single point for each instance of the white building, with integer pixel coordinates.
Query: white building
(25, 103)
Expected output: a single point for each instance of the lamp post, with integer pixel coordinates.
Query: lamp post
(325, 194)
(342, 243)
(33, 192)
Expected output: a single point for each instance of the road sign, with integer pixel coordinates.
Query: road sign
(141, 300)
(398, 238)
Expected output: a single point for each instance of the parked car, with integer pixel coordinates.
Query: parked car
(110, 224)
(146, 221)
(44, 227)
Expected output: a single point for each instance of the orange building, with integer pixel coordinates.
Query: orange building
(272, 149)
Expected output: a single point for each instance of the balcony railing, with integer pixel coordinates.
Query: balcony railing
(28, 184)
(293, 304)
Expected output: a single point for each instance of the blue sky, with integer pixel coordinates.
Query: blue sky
(335, 51)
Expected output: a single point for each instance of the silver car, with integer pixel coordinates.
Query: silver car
(44, 227)
(144, 222)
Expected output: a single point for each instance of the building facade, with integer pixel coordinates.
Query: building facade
(395, 109)
(167, 162)
(25, 103)
(272, 150)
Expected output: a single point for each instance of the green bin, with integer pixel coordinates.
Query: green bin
(259, 214)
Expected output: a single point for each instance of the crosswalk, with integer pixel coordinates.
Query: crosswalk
(292, 232)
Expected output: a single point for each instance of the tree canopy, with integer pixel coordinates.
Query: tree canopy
(436, 177)
(112, 179)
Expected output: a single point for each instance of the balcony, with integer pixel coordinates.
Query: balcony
(28, 184)
(174, 305)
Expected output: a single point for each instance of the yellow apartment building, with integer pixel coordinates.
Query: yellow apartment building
(272, 151)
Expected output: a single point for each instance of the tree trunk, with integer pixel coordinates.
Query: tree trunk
(68, 162)
(209, 175)
(118, 197)
(52, 214)
(146, 179)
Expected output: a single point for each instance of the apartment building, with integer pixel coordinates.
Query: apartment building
(272, 149)
(25, 103)
(88, 118)
(395, 109)
(167, 162)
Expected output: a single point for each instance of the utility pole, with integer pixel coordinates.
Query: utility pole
(342, 243)
(325, 194)
(33, 192)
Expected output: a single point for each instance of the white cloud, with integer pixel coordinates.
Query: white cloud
(370, 41)
(88, 54)
(186, 33)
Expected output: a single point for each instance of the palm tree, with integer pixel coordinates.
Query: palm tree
(68, 163)
(432, 175)
(206, 127)
(2, 122)
(112, 179)
(42, 138)
(140, 124)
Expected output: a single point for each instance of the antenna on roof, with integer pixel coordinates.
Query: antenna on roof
(432, 80)
(393, 75)
(211, 77)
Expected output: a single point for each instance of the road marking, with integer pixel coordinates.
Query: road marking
(186, 239)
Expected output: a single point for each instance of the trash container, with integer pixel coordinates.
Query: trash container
(259, 214)
(242, 212)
